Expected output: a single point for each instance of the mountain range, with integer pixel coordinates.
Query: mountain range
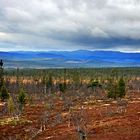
(69, 59)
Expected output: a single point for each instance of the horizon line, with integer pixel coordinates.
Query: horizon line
(71, 51)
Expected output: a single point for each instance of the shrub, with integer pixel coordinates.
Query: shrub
(95, 84)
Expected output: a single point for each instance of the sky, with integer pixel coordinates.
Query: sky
(44, 25)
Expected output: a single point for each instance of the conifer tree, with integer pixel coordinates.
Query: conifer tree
(1, 75)
(11, 106)
(21, 98)
(121, 88)
(4, 93)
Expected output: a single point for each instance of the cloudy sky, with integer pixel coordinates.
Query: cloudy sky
(70, 25)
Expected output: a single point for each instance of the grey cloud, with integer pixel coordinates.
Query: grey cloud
(81, 24)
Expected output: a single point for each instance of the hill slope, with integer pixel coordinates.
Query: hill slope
(79, 58)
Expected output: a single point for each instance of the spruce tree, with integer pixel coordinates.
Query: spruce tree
(116, 90)
(11, 105)
(4, 93)
(111, 89)
(21, 99)
(121, 88)
(1, 75)
(3, 90)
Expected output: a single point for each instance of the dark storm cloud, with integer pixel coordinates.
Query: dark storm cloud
(70, 24)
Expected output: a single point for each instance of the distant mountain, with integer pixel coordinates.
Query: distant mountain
(60, 59)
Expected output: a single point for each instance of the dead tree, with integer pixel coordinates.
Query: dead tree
(121, 106)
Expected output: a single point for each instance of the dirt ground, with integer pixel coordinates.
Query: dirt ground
(103, 122)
